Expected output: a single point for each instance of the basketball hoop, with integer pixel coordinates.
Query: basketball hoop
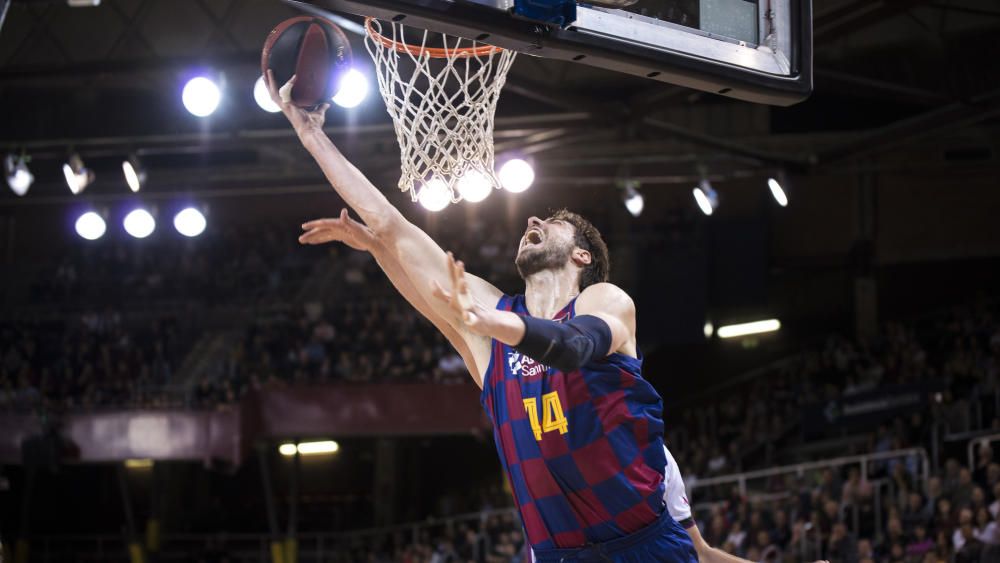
(442, 101)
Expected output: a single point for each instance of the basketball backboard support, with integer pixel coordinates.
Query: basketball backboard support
(754, 50)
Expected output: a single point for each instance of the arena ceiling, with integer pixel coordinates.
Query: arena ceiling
(105, 81)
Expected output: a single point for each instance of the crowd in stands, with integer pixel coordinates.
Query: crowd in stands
(98, 359)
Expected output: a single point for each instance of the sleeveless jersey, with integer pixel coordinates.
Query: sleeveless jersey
(583, 451)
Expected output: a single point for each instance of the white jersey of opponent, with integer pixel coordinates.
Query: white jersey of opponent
(673, 490)
(673, 494)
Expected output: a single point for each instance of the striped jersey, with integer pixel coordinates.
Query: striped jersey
(583, 450)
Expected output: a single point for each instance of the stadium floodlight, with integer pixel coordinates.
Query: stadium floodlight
(201, 96)
(708, 329)
(516, 175)
(474, 186)
(435, 195)
(139, 223)
(706, 197)
(91, 226)
(78, 176)
(309, 448)
(746, 329)
(135, 173)
(19, 178)
(263, 97)
(352, 90)
(138, 463)
(190, 222)
(777, 191)
(634, 201)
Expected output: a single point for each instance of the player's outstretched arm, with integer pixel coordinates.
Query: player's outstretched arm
(360, 237)
(422, 259)
(604, 323)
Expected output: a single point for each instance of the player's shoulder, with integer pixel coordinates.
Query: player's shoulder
(605, 296)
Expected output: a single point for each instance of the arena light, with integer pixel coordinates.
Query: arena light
(78, 176)
(309, 448)
(435, 195)
(139, 223)
(201, 96)
(474, 186)
(634, 201)
(19, 178)
(746, 329)
(91, 226)
(135, 173)
(352, 90)
(516, 175)
(190, 222)
(708, 329)
(138, 463)
(777, 192)
(263, 97)
(705, 197)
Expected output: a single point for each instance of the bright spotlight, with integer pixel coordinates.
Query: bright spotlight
(706, 197)
(474, 186)
(708, 329)
(19, 178)
(516, 175)
(90, 226)
(309, 448)
(323, 447)
(201, 96)
(634, 201)
(139, 223)
(190, 222)
(352, 90)
(435, 195)
(744, 329)
(135, 174)
(78, 176)
(263, 98)
(777, 192)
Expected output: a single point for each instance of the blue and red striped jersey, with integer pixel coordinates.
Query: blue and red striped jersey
(583, 450)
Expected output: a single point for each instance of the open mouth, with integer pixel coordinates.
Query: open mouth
(534, 236)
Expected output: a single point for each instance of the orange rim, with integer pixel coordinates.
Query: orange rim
(432, 52)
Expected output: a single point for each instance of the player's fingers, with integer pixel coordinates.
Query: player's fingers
(285, 92)
(343, 214)
(318, 224)
(439, 291)
(452, 272)
(323, 108)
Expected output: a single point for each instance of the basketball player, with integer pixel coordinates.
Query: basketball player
(579, 432)
(359, 237)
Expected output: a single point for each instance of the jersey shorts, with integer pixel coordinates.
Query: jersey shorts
(652, 547)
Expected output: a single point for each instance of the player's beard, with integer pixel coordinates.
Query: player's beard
(552, 256)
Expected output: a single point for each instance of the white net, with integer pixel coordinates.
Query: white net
(442, 100)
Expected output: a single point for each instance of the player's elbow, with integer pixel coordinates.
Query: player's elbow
(387, 223)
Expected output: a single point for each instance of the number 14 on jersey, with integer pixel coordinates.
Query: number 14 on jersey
(552, 415)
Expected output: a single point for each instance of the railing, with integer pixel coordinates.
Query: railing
(799, 469)
(311, 547)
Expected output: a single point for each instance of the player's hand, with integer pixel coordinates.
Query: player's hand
(302, 119)
(343, 229)
(459, 299)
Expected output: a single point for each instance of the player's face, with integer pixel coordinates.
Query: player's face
(546, 245)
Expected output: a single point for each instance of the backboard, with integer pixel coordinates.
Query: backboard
(754, 50)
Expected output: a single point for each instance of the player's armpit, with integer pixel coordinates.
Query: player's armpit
(611, 304)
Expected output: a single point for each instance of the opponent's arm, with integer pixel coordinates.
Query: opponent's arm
(420, 257)
(360, 237)
(604, 324)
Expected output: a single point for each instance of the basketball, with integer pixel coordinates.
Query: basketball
(312, 49)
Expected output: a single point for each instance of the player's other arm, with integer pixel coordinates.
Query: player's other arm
(604, 324)
(360, 237)
(425, 262)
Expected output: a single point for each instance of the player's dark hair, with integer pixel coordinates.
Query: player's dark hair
(588, 238)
